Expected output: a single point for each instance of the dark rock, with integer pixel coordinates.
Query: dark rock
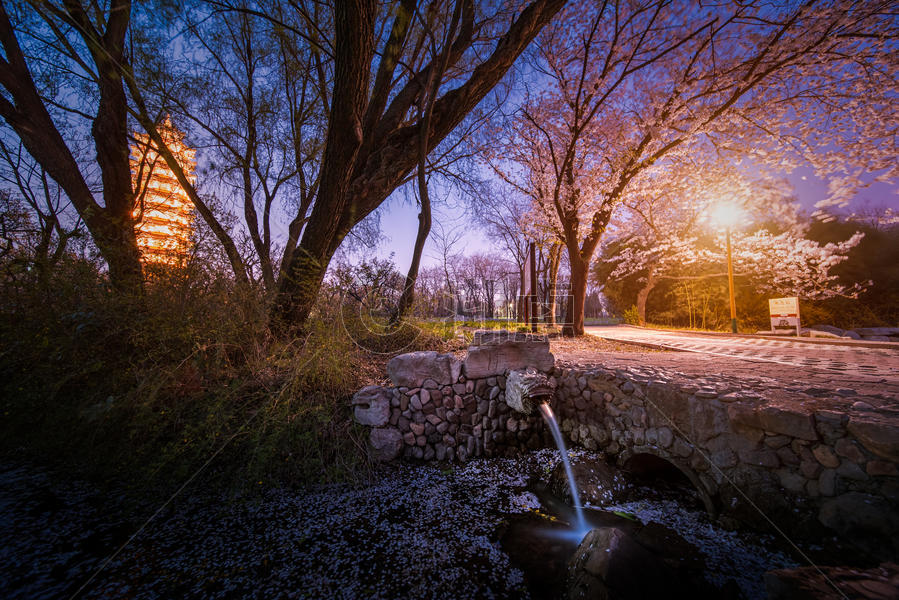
(826, 457)
(829, 329)
(877, 433)
(610, 564)
(848, 449)
(869, 521)
(881, 468)
(817, 583)
(386, 443)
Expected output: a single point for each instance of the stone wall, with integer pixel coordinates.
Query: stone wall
(744, 449)
(781, 453)
(445, 408)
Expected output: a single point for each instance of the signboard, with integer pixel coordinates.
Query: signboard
(784, 313)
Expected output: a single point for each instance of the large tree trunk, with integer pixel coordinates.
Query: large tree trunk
(574, 321)
(370, 147)
(354, 48)
(644, 293)
(552, 276)
(111, 226)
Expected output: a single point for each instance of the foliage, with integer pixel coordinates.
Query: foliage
(631, 92)
(696, 296)
(148, 390)
(631, 316)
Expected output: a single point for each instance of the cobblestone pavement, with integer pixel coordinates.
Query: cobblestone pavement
(852, 360)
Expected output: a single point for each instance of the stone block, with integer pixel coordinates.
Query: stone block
(788, 422)
(777, 441)
(413, 368)
(761, 458)
(372, 405)
(745, 415)
(495, 356)
(708, 418)
(682, 448)
(665, 404)
(877, 433)
(831, 424)
(724, 459)
(827, 482)
(385, 443)
(825, 456)
(810, 470)
(792, 482)
(666, 437)
(850, 470)
(881, 468)
(848, 449)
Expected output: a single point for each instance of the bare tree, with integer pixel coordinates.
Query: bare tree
(76, 48)
(370, 144)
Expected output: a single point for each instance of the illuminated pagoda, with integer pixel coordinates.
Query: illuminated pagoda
(163, 212)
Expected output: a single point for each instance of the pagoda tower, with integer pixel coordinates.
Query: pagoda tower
(163, 211)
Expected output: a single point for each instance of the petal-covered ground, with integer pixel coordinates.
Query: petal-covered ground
(421, 531)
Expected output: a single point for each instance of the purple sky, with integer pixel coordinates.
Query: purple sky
(399, 219)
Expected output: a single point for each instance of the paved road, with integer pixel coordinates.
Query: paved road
(875, 362)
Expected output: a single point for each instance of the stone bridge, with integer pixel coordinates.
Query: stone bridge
(752, 454)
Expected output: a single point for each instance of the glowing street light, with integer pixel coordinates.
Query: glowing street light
(727, 215)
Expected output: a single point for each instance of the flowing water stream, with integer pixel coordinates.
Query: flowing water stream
(548, 416)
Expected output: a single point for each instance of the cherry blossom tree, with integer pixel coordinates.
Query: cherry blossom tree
(668, 234)
(629, 89)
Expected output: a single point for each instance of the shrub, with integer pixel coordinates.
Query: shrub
(148, 390)
(631, 315)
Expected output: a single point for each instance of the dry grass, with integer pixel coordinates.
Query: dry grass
(588, 347)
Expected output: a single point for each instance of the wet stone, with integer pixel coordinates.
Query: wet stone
(792, 482)
(850, 470)
(827, 482)
(881, 468)
(777, 441)
(810, 470)
(666, 437)
(787, 455)
(848, 449)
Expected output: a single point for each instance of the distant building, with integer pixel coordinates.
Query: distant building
(163, 211)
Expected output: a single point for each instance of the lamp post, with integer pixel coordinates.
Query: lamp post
(728, 214)
(730, 286)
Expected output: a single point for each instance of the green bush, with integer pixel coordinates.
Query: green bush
(147, 391)
(631, 315)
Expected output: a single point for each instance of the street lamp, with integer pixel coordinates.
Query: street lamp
(727, 215)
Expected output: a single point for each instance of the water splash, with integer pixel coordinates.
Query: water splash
(550, 418)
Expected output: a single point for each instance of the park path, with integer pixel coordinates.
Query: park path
(849, 359)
